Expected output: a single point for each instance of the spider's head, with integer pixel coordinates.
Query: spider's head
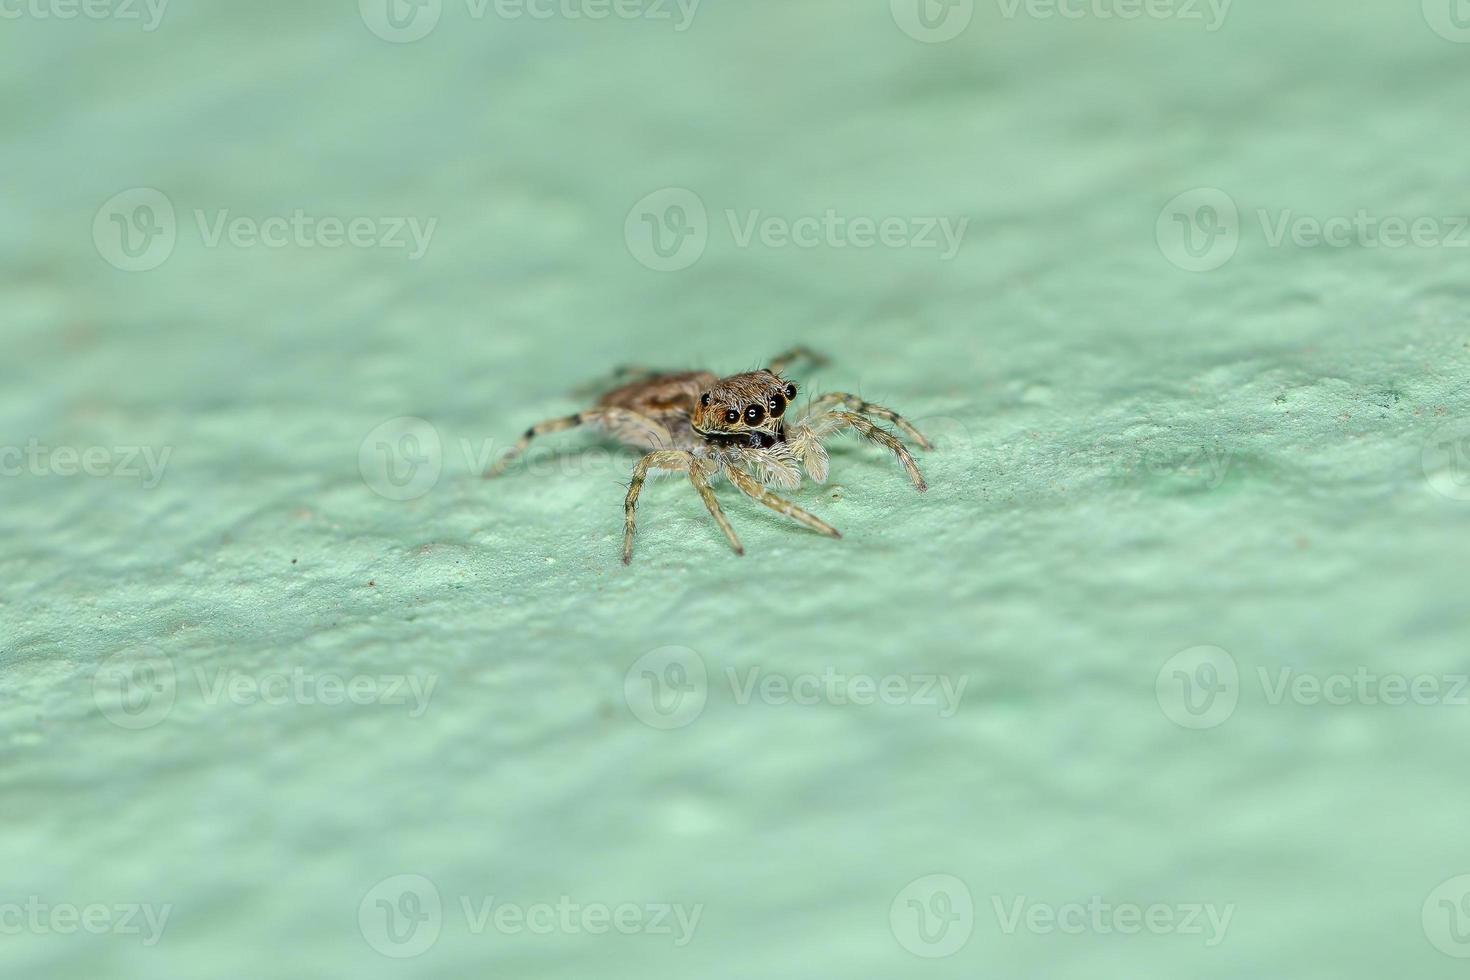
(744, 406)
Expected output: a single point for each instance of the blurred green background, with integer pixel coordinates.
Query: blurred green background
(1163, 677)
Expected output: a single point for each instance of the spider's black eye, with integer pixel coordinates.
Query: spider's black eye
(790, 391)
(704, 399)
(732, 416)
(778, 405)
(754, 414)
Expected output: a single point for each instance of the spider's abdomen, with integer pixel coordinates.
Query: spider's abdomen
(662, 395)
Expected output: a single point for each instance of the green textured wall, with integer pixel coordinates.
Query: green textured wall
(1161, 678)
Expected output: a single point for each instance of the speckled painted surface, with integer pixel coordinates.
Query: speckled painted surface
(1134, 460)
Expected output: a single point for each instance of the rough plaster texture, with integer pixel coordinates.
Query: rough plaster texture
(1135, 460)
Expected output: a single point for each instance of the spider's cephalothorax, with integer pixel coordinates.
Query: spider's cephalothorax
(741, 428)
(744, 410)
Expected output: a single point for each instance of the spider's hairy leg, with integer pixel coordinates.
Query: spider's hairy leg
(855, 403)
(751, 487)
(817, 428)
(782, 361)
(609, 418)
(677, 461)
(700, 479)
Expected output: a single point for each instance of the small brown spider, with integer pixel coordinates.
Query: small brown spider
(706, 426)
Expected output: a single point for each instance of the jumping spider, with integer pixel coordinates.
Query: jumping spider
(737, 428)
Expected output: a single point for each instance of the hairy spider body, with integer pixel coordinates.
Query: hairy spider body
(738, 428)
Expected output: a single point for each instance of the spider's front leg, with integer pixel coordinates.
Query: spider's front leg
(855, 403)
(807, 435)
(677, 461)
(752, 488)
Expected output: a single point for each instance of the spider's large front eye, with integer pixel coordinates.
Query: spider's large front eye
(731, 417)
(790, 391)
(704, 399)
(777, 405)
(754, 414)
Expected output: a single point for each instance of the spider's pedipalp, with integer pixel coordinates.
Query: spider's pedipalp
(828, 424)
